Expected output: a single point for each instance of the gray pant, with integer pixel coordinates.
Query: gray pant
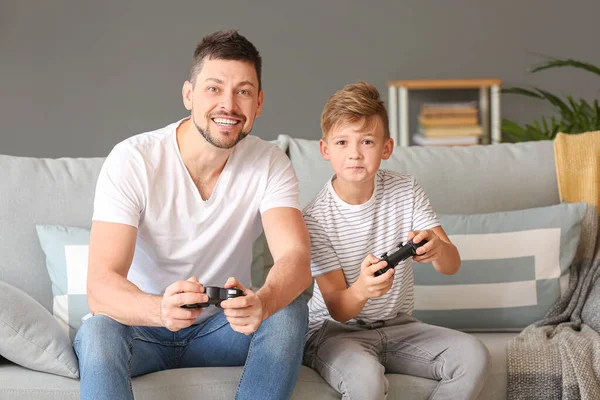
(354, 358)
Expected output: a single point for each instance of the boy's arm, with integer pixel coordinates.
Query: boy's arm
(438, 250)
(345, 303)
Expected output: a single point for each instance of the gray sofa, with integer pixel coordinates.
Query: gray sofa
(459, 180)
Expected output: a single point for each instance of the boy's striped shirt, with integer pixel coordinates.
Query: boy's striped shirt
(342, 235)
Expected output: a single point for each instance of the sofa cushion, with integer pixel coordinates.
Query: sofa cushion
(458, 180)
(40, 191)
(17, 383)
(495, 387)
(31, 337)
(512, 265)
(66, 250)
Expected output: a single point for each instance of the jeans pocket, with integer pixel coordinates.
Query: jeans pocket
(317, 338)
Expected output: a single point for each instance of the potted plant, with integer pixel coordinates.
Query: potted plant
(573, 116)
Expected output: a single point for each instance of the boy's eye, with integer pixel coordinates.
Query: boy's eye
(340, 142)
(368, 142)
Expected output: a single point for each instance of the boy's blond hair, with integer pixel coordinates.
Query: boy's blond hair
(351, 104)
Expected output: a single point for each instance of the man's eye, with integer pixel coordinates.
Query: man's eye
(244, 92)
(212, 89)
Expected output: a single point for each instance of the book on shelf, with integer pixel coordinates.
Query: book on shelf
(450, 105)
(449, 109)
(445, 141)
(448, 124)
(449, 131)
(446, 120)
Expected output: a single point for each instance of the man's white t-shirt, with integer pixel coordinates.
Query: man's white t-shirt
(144, 183)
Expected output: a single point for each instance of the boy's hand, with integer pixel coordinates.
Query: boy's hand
(370, 286)
(431, 251)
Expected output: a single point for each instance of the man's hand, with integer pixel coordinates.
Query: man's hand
(244, 313)
(431, 251)
(175, 318)
(369, 285)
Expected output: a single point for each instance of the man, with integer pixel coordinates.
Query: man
(179, 208)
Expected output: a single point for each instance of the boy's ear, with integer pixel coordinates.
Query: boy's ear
(324, 150)
(388, 149)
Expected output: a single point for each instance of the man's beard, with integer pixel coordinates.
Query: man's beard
(214, 141)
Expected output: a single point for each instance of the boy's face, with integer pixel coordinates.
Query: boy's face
(355, 152)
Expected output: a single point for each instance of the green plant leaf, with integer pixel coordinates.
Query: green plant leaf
(596, 113)
(555, 101)
(522, 91)
(574, 116)
(567, 63)
(514, 131)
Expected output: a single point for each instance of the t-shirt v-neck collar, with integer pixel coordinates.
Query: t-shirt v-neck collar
(189, 178)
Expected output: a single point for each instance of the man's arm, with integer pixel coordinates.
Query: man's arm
(289, 244)
(112, 246)
(109, 292)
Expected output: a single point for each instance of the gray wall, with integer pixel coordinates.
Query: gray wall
(77, 78)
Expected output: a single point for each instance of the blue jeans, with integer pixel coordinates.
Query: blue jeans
(111, 353)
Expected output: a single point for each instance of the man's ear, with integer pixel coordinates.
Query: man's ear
(261, 99)
(388, 149)
(187, 92)
(324, 150)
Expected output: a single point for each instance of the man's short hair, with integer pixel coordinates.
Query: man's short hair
(226, 45)
(351, 104)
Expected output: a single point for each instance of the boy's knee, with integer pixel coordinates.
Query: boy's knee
(481, 358)
(475, 358)
(372, 385)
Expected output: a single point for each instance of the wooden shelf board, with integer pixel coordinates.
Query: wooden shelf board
(433, 84)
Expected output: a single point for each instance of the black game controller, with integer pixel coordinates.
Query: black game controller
(403, 252)
(215, 296)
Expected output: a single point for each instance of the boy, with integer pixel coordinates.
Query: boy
(360, 324)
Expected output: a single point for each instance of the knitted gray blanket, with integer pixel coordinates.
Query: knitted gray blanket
(559, 356)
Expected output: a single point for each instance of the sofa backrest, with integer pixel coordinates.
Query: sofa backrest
(40, 191)
(458, 180)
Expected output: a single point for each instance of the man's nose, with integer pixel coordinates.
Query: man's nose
(227, 102)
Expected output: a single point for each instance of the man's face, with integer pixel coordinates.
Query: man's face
(356, 152)
(224, 101)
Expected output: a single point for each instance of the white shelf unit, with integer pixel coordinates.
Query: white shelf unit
(489, 97)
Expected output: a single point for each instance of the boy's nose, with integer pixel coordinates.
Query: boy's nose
(354, 154)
